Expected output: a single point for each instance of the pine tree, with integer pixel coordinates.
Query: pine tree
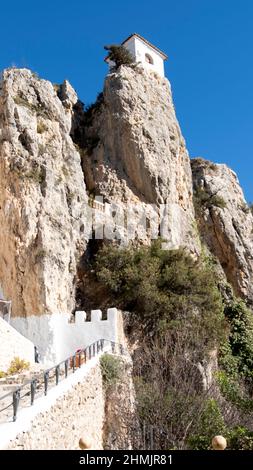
(119, 55)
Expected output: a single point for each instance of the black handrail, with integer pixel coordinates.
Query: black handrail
(74, 361)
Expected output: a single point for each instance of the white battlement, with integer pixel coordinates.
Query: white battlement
(57, 337)
(96, 315)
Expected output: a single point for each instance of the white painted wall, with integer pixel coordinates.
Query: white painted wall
(13, 344)
(57, 339)
(130, 45)
(138, 49)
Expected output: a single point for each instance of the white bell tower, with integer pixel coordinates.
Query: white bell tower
(145, 53)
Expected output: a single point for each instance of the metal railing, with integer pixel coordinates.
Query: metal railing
(39, 386)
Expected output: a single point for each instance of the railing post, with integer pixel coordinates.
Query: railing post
(33, 390)
(16, 398)
(89, 352)
(46, 378)
(57, 374)
(66, 366)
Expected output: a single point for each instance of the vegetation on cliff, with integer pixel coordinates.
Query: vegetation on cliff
(193, 362)
(119, 55)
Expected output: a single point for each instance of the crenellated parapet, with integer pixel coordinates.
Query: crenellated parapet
(96, 315)
(56, 337)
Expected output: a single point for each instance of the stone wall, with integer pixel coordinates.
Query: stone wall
(13, 344)
(105, 417)
(78, 413)
(121, 425)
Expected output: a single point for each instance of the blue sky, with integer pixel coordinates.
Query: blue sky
(210, 66)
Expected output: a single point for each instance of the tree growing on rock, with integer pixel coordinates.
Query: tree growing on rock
(119, 55)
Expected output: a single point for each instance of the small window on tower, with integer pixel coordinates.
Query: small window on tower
(149, 59)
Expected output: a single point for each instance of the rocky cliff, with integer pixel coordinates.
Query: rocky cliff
(42, 195)
(127, 148)
(135, 157)
(135, 152)
(225, 222)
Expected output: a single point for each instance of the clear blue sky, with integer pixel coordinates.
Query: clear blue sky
(210, 66)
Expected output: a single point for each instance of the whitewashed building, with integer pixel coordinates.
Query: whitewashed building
(145, 53)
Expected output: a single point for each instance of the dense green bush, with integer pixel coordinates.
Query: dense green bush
(119, 55)
(175, 304)
(241, 336)
(163, 289)
(209, 424)
(203, 200)
(111, 369)
(240, 438)
(236, 357)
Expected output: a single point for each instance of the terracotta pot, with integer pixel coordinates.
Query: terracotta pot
(77, 359)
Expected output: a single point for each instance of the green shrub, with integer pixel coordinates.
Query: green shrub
(218, 201)
(202, 199)
(235, 377)
(240, 438)
(119, 55)
(240, 341)
(176, 308)
(210, 423)
(41, 127)
(234, 392)
(17, 365)
(160, 287)
(111, 369)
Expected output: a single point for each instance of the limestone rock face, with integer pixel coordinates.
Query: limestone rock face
(42, 195)
(137, 153)
(226, 222)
